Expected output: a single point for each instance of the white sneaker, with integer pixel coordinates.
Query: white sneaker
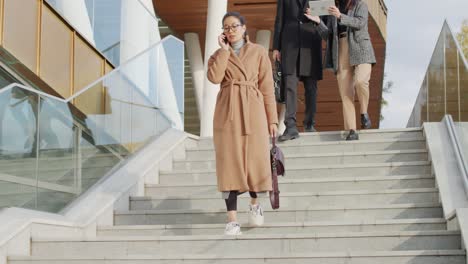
(232, 229)
(256, 217)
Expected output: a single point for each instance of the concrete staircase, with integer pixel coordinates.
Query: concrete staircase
(191, 118)
(372, 201)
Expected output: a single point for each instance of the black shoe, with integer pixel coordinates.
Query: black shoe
(288, 136)
(365, 121)
(352, 135)
(310, 129)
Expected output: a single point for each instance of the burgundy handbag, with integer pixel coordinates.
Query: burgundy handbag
(277, 168)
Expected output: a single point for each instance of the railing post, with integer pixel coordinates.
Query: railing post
(77, 160)
(38, 145)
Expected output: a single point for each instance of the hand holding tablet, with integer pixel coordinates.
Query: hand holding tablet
(320, 8)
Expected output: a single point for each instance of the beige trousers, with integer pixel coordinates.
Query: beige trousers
(352, 79)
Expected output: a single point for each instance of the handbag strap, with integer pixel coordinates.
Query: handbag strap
(274, 195)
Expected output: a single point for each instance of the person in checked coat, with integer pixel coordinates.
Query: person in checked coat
(245, 116)
(350, 55)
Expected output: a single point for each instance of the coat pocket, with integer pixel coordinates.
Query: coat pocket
(361, 35)
(221, 110)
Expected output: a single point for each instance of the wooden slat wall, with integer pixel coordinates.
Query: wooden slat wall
(260, 14)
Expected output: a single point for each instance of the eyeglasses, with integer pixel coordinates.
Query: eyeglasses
(228, 28)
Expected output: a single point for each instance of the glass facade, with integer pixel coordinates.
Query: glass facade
(49, 47)
(119, 29)
(445, 86)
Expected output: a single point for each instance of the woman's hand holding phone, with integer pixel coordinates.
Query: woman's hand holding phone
(223, 42)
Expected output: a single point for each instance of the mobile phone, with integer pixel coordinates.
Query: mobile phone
(225, 39)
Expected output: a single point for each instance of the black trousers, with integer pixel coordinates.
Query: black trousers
(231, 201)
(310, 85)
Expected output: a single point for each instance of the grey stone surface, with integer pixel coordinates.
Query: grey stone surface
(373, 201)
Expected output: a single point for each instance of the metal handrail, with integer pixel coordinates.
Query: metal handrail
(384, 6)
(461, 159)
(111, 47)
(93, 84)
(90, 86)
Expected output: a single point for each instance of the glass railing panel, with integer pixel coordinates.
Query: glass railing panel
(48, 157)
(138, 95)
(144, 118)
(53, 150)
(15, 194)
(50, 200)
(57, 168)
(106, 118)
(18, 145)
(419, 113)
(18, 115)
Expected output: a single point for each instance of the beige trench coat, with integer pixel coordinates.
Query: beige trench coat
(245, 107)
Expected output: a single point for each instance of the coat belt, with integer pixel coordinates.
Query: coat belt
(244, 88)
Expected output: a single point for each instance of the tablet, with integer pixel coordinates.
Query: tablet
(320, 8)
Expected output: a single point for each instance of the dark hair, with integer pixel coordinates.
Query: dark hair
(242, 20)
(349, 3)
(235, 14)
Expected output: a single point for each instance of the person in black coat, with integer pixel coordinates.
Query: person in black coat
(298, 45)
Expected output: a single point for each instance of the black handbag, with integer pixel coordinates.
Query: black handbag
(277, 168)
(278, 83)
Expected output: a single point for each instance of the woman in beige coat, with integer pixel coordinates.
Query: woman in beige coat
(245, 116)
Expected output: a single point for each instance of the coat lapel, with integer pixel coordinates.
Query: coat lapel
(301, 3)
(352, 10)
(237, 60)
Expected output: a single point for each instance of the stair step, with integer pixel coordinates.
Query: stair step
(296, 200)
(191, 100)
(311, 172)
(220, 244)
(193, 118)
(279, 228)
(190, 108)
(192, 126)
(371, 134)
(298, 160)
(284, 214)
(291, 147)
(348, 257)
(304, 185)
